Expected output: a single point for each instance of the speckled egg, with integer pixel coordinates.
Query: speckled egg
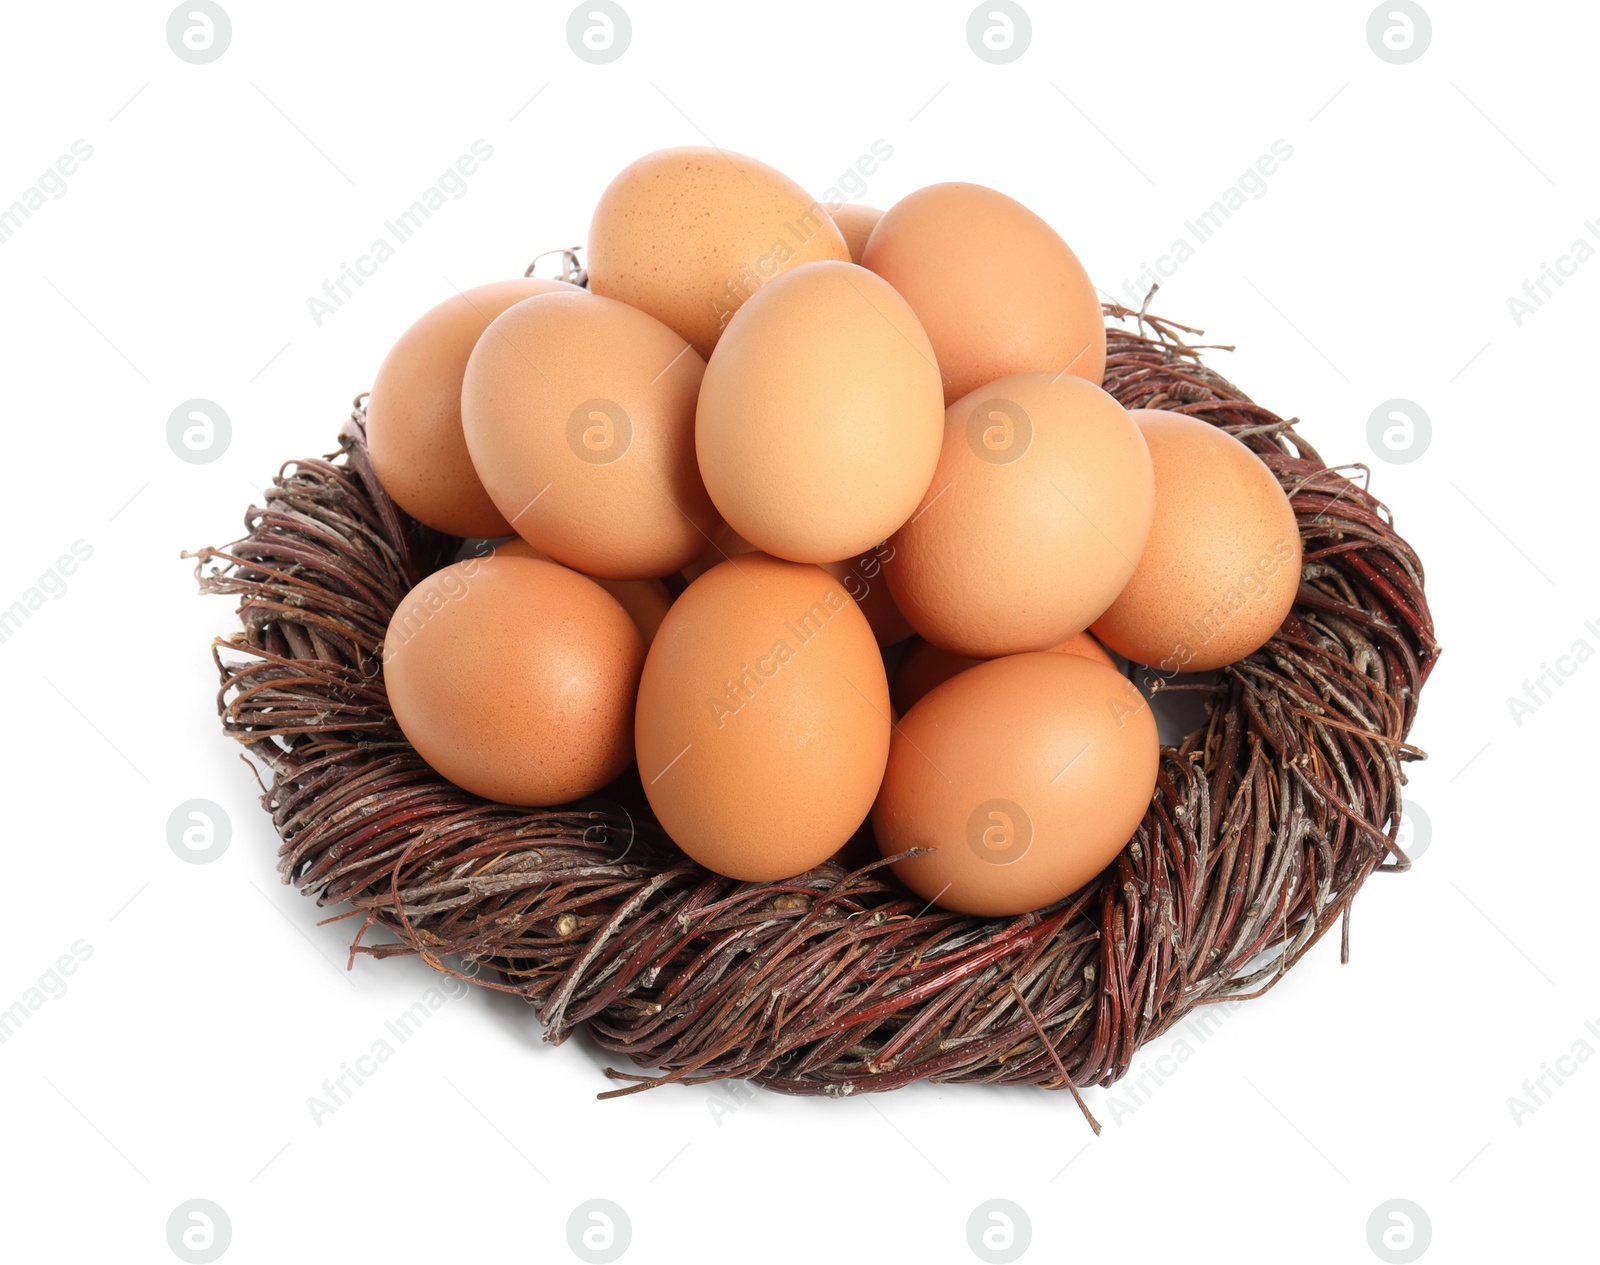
(688, 235)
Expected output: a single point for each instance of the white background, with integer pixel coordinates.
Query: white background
(178, 1063)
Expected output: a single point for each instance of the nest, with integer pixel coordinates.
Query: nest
(1263, 826)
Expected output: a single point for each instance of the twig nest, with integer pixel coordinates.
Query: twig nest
(1262, 826)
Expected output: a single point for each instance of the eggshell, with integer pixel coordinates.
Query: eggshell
(862, 577)
(414, 411)
(1221, 569)
(515, 679)
(689, 234)
(1027, 775)
(579, 415)
(763, 718)
(1033, 522)
(819, 421)
(727, 544)
(856, 223)
(996, 288)
(1086, 646)
(926, 666)
(646, 601)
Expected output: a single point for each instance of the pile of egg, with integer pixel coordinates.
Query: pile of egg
(773, 448)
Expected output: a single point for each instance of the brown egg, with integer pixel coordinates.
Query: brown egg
(646, 601)
(515, 679)
(862, 577)
(820, 421)
(414, 412)
(859, 850)
(856, 223)
(1222, 565)
(579, 414)
(926, 666)
(1026, 775)
(1033, 522)
(996, 288)
(727, 544)
(1086, 646)
(763, 719)
(689, 234)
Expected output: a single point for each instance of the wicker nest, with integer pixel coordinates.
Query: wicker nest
(1264, 824)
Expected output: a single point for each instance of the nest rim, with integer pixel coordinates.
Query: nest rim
(1264, 824)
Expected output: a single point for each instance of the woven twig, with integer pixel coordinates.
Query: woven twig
(1264, 823)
